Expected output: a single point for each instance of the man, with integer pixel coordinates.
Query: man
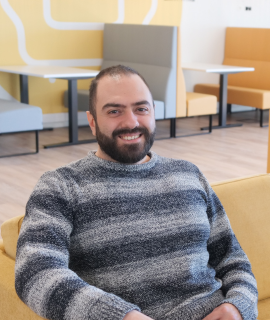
(126, 234)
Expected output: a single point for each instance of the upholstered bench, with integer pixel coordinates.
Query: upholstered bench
(202, 104)
(246, 47)
(18, 117)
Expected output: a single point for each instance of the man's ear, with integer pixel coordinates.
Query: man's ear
(92, 122)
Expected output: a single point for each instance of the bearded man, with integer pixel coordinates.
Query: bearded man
(126, 234)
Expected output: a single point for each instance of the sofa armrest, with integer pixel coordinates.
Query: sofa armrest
(10, 230)
(10, 305)
(264, 309)
(2, 245)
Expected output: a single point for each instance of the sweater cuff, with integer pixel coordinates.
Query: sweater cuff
(112, 307)
(247, 308)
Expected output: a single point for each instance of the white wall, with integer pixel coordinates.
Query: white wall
(203, 30)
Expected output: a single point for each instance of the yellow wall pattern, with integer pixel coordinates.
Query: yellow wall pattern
(69, 31)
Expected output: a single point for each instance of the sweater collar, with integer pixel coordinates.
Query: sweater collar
(123, 167)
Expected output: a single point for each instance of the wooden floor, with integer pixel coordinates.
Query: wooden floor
(224, 154)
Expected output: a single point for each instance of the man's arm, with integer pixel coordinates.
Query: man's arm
(42, 277)
(229, 261)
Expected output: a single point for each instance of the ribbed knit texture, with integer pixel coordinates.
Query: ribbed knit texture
(101, 238)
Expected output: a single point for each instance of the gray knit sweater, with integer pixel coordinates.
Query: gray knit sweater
(100, 239)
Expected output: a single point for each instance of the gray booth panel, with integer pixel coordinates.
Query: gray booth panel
(152, 51)
(142, 44)
(16, 117)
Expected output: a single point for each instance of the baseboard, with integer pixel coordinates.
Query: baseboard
(238, 108)
(59, 120)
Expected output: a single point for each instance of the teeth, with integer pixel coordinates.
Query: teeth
(130, 137)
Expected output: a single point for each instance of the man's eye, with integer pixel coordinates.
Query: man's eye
(113, 111)
(142, 109)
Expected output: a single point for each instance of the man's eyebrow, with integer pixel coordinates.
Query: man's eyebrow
(119, 105)
(114, 105)
(139, 103)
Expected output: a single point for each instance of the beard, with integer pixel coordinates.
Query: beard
(129, 153)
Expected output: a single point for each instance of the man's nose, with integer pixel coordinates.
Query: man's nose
(130, 120)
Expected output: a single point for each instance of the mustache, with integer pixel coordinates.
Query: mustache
(129, 131)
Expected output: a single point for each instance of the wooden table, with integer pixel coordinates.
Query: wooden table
(223, 70)
(56, 72)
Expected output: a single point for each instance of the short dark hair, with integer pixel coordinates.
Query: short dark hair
(112, 72)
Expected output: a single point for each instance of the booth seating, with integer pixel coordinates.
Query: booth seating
(247, 203)
(18, 117)
(246, 47)
(153, 51)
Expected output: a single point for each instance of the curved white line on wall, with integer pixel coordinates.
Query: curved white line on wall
(79, 25)
(121, 11)
(151, 13)
(22, 45)
(67, 25)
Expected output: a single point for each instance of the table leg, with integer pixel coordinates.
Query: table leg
(172, 128)
(73, 110)
(72, 118)
(24, 89)
(222, 117)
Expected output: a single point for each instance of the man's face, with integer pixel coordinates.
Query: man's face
(125, 121)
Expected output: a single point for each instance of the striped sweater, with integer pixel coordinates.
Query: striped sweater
(100, 239)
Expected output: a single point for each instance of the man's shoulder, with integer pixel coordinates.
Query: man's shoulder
(177, 164)
(72, 169)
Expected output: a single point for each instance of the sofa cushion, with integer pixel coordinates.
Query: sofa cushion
(264, 309)
(10, 304)
(249, 47)
(256, 98)
(200, 104)
(10, 232)
(2, 245)
(247, 204)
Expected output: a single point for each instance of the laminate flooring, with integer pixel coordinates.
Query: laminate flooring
(224, 154)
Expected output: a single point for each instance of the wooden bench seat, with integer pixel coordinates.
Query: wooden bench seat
(246, 47)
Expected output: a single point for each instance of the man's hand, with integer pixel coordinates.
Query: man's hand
(136, 315)
(226, 311)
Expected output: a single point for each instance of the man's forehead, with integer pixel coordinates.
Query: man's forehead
(117, 83)
(122, 91)
(117, 78)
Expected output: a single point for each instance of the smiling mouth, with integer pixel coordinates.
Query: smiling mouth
(133, 137)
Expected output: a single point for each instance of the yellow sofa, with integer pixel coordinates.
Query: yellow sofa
(246, 47)
(247, 203)
(268, 157)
